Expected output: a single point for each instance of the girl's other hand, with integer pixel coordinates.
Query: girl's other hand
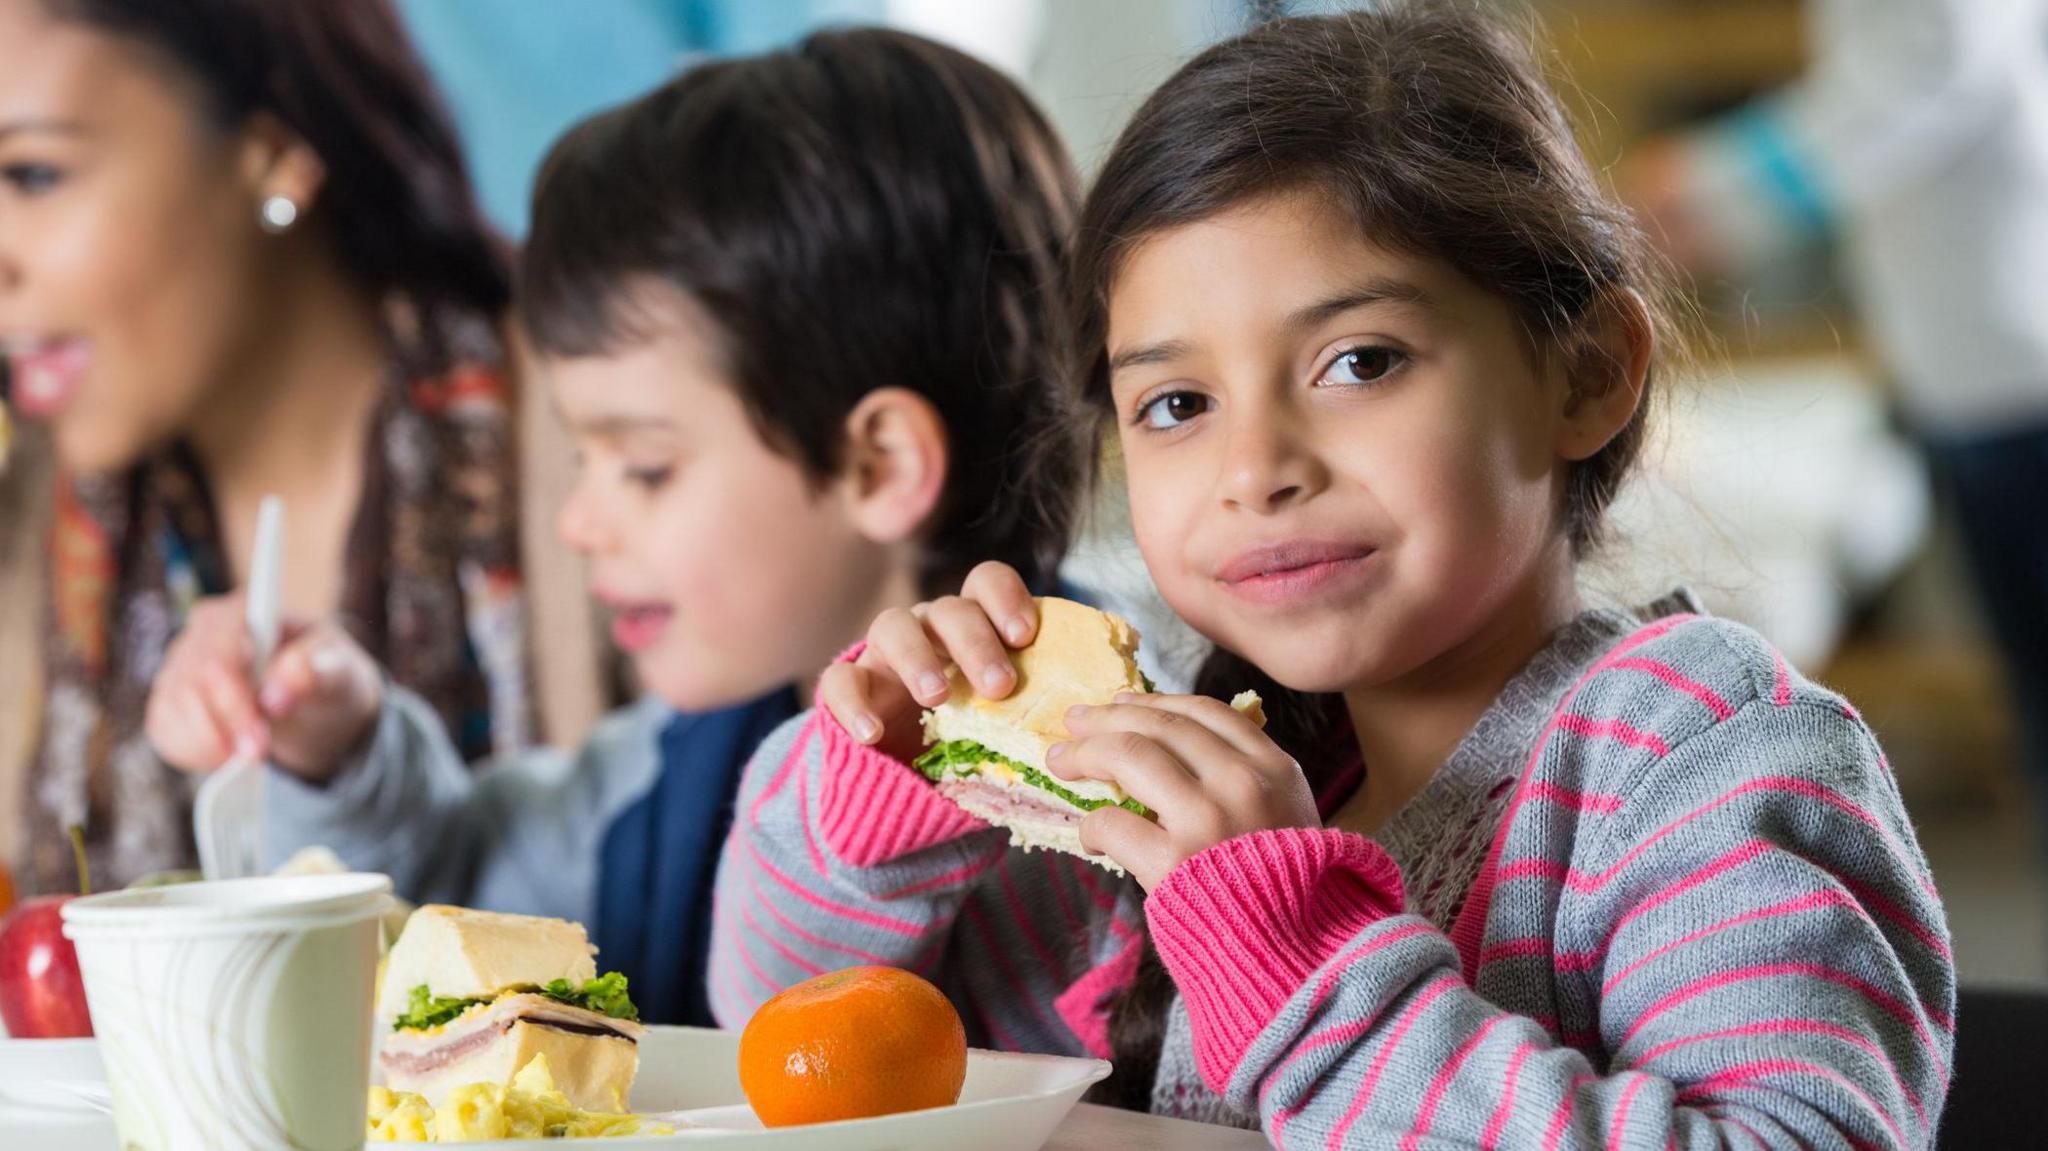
(879, 696)
(1207, 772)
(315, 703)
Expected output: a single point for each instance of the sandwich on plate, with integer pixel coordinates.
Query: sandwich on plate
(988, 755)
(472, 996)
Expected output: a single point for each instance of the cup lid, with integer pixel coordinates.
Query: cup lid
(252, 903)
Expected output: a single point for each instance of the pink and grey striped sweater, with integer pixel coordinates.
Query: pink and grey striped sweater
(1703, 921)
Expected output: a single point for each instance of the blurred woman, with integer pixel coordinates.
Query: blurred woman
(239, 255)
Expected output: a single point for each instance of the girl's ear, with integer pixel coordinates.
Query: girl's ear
(895, 464)
(1607, 368)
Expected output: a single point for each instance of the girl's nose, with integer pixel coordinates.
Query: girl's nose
(1267, 465)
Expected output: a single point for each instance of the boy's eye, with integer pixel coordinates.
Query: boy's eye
(1361, 366)
(31, 179)
(652, 479)
(1172, 409)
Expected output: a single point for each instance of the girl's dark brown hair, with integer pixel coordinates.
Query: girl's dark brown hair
(397, 203)
(1433, 128)
(867, 209)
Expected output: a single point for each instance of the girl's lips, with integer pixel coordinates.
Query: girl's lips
(1291, 571)
(637, 627)
(47, 375)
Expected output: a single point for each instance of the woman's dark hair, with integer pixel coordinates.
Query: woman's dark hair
(1433, 128)
(867, 209)
(397, 202)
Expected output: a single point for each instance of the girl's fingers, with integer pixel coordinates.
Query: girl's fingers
(1142, 847)
(840, 695)
(1146, 771)
(899, 641)
(1204, 753)
(1229, 724)
(859, 698)
(1004, 600)
(292, 678)
(964, 630)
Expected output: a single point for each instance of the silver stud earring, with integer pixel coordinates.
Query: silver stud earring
(278, 214)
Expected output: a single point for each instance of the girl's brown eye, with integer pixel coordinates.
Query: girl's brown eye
(1172, 410)
(1361, 366)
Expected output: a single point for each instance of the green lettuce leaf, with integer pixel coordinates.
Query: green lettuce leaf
(605, 995)
(425, 1009)
(958, 758)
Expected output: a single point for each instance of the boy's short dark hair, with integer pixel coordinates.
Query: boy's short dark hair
(867, 209)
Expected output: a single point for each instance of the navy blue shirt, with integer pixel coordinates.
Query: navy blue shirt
(660, 856)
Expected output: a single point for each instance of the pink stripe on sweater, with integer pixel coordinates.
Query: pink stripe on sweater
(1489, 1140)
(782, 774)
(1578, 801)
(1563, 1115)
(832, 907)
(961, 874)
(1548, 869)
(1745, 1074)
(811, 848)
(1676, 679)
(1799, 1027)
(1341, 1032)
(1469, 931)
(791, 926)
(1614, 729)
(798, 961)
(1434, 1096)
(1781, 683)
(1900, 916)
(1876, 996)
(1813, 902)
(1621, 1109)
(1085, 1006)
(1429, 994)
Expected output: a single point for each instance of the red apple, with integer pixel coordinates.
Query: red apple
(42, 995)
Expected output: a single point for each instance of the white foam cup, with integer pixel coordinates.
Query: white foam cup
(234, 1015)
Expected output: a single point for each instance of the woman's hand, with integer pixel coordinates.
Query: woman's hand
(1206, 770)
(878, 697)
(316, 701)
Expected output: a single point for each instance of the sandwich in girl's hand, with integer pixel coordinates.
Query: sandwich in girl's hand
(988, 755)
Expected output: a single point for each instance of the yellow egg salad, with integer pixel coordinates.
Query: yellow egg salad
(528, 1108)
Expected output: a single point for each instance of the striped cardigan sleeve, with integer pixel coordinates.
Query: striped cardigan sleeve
(838, 855)
(1767, 953)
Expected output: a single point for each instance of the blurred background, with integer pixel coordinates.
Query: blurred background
(1808, 478)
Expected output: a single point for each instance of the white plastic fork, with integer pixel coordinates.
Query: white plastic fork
(227, 815)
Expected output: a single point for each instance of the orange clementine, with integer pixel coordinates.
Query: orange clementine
(851, 1044)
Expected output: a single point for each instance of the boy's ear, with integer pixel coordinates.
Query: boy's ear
(1607, 369)
(896, 460)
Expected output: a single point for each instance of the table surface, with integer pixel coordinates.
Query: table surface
(1088, 1128)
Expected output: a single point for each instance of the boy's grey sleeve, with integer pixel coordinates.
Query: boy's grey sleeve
(522, 834)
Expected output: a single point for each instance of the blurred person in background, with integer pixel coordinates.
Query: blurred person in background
(239, 255)
(1920, 136)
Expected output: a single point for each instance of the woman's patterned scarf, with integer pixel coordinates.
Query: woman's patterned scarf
(431, 588)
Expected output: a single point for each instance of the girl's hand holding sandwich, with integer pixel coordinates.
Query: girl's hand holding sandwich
(314, 703)
(902, 670)
(1205, 769)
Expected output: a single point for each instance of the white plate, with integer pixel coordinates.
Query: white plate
(1009, 1103)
